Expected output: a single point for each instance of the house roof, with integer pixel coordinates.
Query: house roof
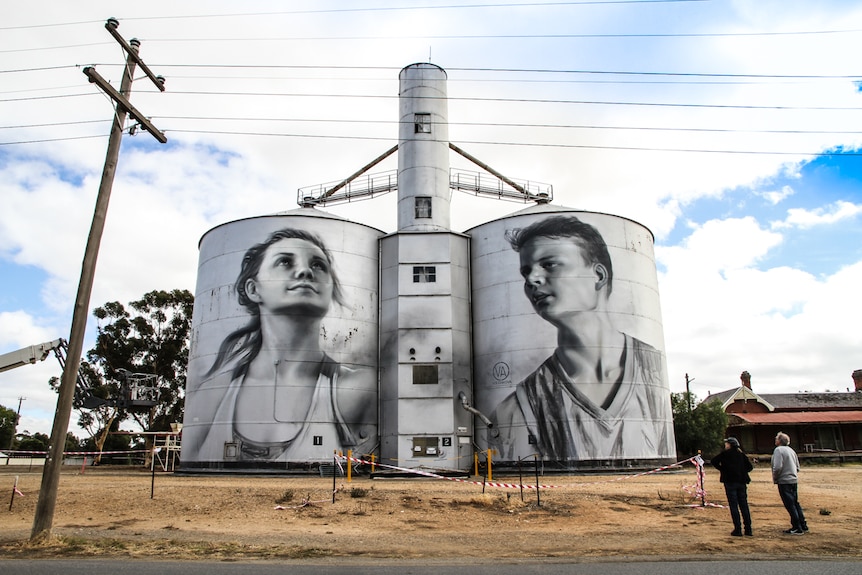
(852, 400)
(800, 417)
(791, 401)
(740, 393)
(721, 396)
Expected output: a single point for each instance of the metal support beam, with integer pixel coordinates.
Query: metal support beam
(488, 168)
(355, 175)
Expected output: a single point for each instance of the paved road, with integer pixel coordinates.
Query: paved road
(392, 567)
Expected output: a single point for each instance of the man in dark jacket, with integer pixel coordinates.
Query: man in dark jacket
(734, 466)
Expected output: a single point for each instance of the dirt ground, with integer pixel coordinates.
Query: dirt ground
(109, 511)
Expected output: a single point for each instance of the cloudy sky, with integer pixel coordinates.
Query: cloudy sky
(730, 128)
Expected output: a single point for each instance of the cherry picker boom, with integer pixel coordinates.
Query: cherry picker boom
(138, 389)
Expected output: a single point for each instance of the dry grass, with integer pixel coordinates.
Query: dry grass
(108, 513)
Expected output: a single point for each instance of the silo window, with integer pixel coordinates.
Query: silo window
(423, 206)
(422, 123)
(425, 375)
(424, 274)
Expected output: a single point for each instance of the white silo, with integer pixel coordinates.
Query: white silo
(569, 358)
(283, 360)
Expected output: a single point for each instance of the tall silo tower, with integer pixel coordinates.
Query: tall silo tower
(423, 150)
(425, 364)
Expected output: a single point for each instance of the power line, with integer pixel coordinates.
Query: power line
(506, 36)
(43, 48)
(53, 124)
(42, 69)
(511, 125)
(514, 80)
(464, 69)
(527, 144)
(528, 71)
(476, 99)
(582, 36)
(375, 9)
(518, 100)
(43, 140)
(481, 142)
(58, 96)
(472, 124)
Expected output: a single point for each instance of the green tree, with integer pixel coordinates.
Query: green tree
(698, 426)
(151, 338)
(72, 443)
(35, 442)
(8, 425)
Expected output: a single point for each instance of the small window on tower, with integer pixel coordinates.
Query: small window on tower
(423, 207)
(424, 274)
(422, 123)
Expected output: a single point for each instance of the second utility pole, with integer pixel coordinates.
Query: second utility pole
(44, 518)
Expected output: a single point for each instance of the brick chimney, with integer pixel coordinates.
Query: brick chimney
(857, 379)
(746, 380)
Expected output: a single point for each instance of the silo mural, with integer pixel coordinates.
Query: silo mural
(283, 362)
(569, 359)
(535, 334)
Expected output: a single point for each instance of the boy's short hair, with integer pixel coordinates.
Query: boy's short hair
(584, 235)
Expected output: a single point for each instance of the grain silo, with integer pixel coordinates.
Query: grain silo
(534, 335)
(568, 343)
(283, 362)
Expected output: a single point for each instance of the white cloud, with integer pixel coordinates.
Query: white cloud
(776, 196)
(791, 330)
(804, 219)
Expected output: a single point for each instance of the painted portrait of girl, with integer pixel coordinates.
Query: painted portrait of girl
(282, 398)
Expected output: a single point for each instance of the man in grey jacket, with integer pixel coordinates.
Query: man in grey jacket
(785, 467)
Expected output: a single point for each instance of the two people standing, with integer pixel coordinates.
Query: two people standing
(735, 466)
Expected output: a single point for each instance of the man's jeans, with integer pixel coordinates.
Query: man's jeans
(789, 496)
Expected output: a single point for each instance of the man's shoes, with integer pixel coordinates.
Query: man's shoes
(748, 533)
(794, 531)
(736, 533)
(804, 528)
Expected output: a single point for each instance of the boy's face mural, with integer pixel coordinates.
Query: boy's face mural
(558, 280)
(294, 278)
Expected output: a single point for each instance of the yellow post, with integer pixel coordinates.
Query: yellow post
(373, 459)
(490, 473)
(476, 463)
(349, 467)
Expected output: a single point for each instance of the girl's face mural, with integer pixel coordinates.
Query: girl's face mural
(294, 279)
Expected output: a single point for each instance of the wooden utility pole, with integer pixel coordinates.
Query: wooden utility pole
(688, 391)
(44, 517)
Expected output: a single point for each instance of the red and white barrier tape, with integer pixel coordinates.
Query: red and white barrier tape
(127, 452)
(516, 485)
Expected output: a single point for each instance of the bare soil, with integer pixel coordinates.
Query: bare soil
(109, 512)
